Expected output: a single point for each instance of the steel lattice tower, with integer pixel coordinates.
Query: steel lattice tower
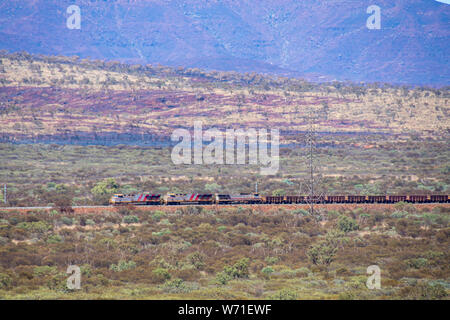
(315, 194)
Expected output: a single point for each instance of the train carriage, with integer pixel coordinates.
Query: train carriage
(334, 199)
(376, 199)
(317, 199)
(356, 199)
(238, 198)
(416, 198)
(394, 199)
(439, 198)
(294, 199)
(273, 199)
(188, 198)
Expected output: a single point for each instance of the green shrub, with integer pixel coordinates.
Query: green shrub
(123, 266)
(238, 270)
(41, 271)
(54, 238)
(5, 281)
(425, 291)
(399, 214)
(271, 260)
(67, 221)
(417, 263)
(285, 294)
(165, 222)
(104, 189)
(158, 215)
(223, 277)
(321, 253)
(86, 270)
(39, 226)
(197, 259)
(431, 218)
(301, 212)
(161, 274)
(267, 271)
(130, 219)
(348, 295)
(176, 286)
(288, 273)
(347, 224)
(333, 214)
(162, 232)
(90, 222)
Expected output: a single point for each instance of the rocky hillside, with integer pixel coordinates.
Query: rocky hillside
(47, 98)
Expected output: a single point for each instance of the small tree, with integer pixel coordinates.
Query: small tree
(321, 253)
(267, 271)
(347, 224)
(197, 259)
(103, 190)
(238, 270)
(130, 219)
(324, 251)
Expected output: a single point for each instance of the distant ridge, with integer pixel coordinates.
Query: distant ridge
(316, 40)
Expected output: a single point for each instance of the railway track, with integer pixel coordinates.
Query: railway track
(39, 208)
(229, 205)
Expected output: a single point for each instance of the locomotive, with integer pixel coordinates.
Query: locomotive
(190, 198)
(140, 198)
(255, 198)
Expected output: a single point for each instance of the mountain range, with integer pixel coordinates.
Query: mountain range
(315, 40)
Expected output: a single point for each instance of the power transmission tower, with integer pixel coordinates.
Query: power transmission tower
(313, 185)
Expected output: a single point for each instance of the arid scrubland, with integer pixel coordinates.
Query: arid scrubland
(247, 252)
(48, 95)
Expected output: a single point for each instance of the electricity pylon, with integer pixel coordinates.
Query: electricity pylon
(313, 185)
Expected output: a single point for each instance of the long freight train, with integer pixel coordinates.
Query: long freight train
(255, 198)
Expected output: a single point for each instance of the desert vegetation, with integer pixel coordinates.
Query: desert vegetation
(45, 98)
(39, 174)
(226, 253)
